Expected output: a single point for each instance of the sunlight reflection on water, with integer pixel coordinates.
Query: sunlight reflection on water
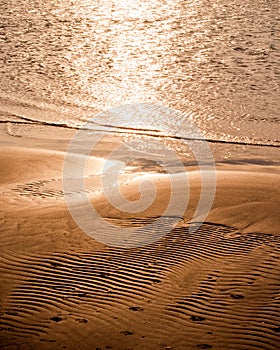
(218, 63)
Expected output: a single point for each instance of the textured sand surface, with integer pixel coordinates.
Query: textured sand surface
(214, 288)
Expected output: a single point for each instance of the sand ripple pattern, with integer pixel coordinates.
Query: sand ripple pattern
(47, 189)
(218, 287)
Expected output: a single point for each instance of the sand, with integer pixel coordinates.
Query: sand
(216, 287)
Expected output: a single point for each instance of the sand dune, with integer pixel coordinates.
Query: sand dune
(216, 288)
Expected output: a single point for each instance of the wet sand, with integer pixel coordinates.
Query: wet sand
(217, 287)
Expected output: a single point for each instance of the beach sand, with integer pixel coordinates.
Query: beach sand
(216, 287)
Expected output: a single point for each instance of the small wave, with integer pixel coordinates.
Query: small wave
(97, 127)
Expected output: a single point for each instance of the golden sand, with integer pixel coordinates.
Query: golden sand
(61, 289)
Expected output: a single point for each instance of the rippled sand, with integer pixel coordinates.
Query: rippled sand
(217, 287)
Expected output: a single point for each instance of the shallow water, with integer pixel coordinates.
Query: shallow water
(218, 63)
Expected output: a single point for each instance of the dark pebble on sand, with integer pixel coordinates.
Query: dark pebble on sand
(237, 296)
(136, 308)
(56, 319)
(197, 318)
(204, 346)
(126, 333)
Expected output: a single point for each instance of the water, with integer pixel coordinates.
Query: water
(217, 62)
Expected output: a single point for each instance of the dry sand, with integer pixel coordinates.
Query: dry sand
(215, 288)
